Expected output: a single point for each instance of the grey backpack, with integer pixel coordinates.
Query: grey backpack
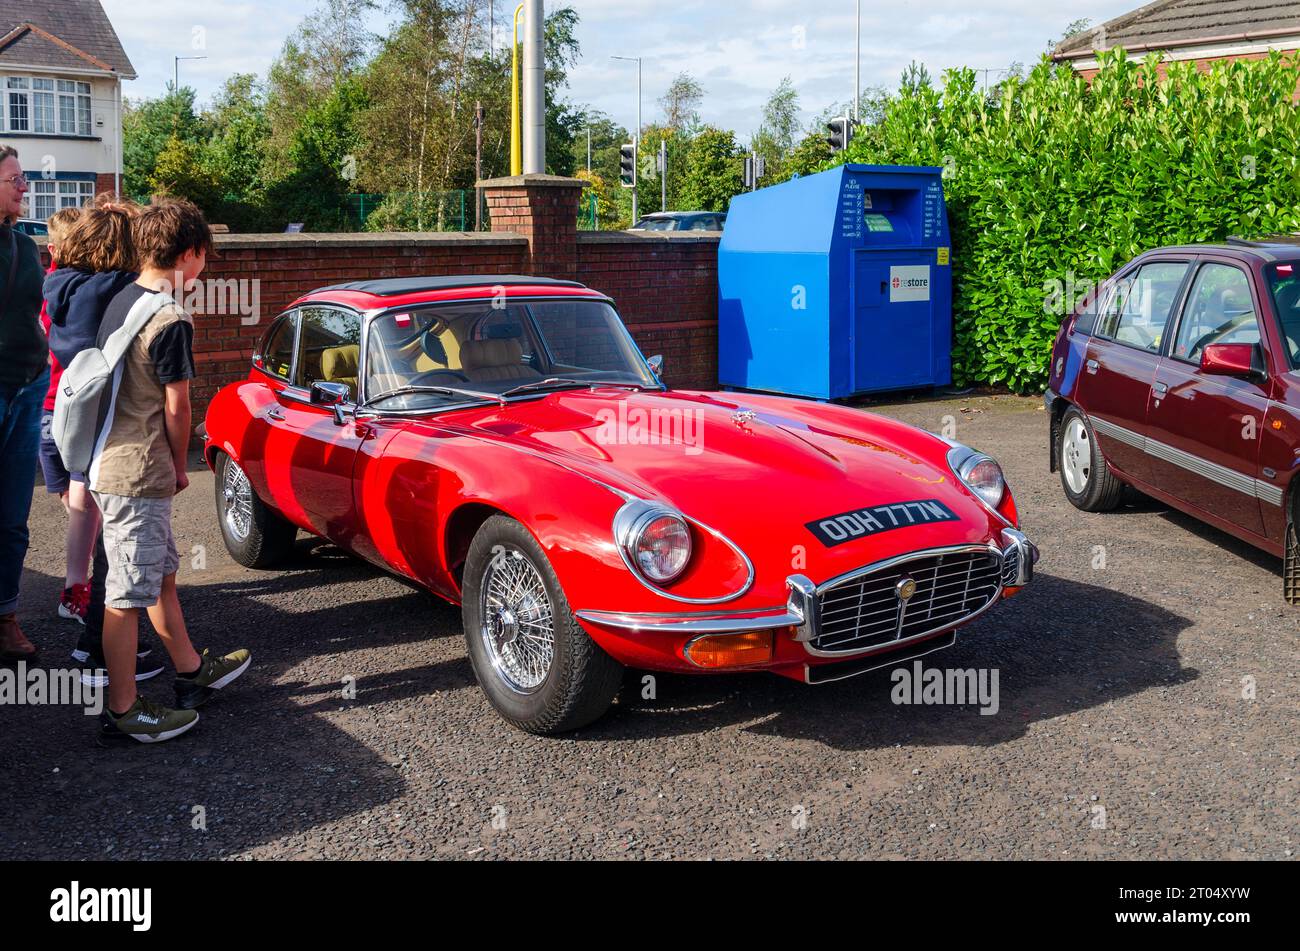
(92, 374)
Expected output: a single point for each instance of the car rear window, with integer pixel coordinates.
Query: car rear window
(1284, 282)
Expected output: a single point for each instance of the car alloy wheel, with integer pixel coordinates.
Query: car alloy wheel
(518, 626)
(237, 496)
(1076, 455)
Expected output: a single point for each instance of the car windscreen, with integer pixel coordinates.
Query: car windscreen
(656, 224)
(491, 347)
(1284, 282)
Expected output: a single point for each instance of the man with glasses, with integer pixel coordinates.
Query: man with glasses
(24, 380)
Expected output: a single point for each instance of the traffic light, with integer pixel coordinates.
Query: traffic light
(627, 165)
(841, 133)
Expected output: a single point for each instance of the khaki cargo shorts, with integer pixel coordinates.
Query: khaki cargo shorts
(140, 547)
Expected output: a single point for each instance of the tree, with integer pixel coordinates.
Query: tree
(681, 104)
(329, 46)
(147, 128)
(713, 171)
(1074, 29)
(179, 171)
(779, 133)
(235, 155)
(323, 156)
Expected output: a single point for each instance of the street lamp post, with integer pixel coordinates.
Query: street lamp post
(857, 64)
(176, 70)
(636, 139)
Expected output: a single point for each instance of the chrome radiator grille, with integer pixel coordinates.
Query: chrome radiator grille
(867, 611)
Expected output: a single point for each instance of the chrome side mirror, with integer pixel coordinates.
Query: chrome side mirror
(333, 395)
(656, 364)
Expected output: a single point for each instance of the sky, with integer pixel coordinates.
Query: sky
(739, 50)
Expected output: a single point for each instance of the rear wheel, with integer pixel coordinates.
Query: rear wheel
(1088, 482)
(255, 536)
(539, 668)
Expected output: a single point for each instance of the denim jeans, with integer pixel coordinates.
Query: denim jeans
(20, 439)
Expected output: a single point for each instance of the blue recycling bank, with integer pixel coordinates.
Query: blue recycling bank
(837, 284)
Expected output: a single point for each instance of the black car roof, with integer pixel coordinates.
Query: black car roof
(1273, 248)
(396, 286)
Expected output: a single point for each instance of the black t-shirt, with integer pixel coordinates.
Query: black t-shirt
(172, 350)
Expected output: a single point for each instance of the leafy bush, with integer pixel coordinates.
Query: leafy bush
(1049, 179)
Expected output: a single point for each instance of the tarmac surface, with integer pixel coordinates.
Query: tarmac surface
(1147, 709)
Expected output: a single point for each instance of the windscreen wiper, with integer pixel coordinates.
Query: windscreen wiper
(441, 390)
(558, 383)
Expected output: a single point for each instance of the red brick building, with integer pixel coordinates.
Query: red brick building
(1199, 31)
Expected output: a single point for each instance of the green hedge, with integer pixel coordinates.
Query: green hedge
(1051, 180)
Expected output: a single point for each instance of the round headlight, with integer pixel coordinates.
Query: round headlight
(984, 477)
(662, 547)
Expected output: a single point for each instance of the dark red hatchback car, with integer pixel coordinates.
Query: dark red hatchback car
(1180, 376)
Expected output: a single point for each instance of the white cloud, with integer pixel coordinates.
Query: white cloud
(739, 49)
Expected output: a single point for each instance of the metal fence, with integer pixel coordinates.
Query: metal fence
(414, 211)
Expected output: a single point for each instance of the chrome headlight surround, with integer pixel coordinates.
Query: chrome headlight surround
(632, 523)
(965, 461)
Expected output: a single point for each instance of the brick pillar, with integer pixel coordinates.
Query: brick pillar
(543, 209)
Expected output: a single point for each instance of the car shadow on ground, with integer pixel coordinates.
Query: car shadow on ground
(1098, 646)
(1135, 503)
(78, 800)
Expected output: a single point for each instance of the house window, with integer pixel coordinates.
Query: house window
(49, 196)
(47, 106)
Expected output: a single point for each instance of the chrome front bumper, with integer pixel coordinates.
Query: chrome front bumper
(801, 607)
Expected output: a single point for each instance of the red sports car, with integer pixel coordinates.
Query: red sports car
(502, 442)
(1180, 376)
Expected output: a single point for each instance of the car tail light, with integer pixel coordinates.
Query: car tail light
(731, 650)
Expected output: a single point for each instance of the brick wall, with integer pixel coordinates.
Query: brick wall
(665, 286)
(666, 289)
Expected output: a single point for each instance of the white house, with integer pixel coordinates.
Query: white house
(61, 73)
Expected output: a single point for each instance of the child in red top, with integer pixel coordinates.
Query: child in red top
(83, 515)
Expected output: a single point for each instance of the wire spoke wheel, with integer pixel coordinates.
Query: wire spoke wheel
(237, 495)
(518, 629)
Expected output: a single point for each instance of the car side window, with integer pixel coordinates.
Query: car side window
(329, 348)
(1140, 307)
(275, 353)
(1219, 310)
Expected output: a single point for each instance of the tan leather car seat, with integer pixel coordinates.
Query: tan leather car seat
(339, 365)
(491, 361)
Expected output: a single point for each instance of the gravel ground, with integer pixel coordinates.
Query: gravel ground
(1122, 730)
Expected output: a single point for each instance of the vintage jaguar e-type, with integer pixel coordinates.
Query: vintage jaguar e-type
(502, 442)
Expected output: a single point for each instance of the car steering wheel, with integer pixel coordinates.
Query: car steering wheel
(426, 378)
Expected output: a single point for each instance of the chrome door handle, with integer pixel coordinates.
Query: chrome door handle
(274, 413)
(1092, 366)
(1160, 388)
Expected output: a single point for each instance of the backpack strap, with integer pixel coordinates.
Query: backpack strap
(141, 313)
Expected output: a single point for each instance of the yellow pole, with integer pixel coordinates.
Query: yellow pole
(516, 122)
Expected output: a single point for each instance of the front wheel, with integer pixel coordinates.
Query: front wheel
(1088, 482)
(539, 668)
(255, 536)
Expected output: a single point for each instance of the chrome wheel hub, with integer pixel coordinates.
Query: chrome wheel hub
(237, 498)
(518, 628)
(1076, 456)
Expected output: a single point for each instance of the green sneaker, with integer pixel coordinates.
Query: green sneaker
(213, 674)
(145, 722)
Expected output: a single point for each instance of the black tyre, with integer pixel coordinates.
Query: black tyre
(1087, 480)
(255, 536)
(536, 664)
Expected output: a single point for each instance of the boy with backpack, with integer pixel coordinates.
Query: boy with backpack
(139, 463)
